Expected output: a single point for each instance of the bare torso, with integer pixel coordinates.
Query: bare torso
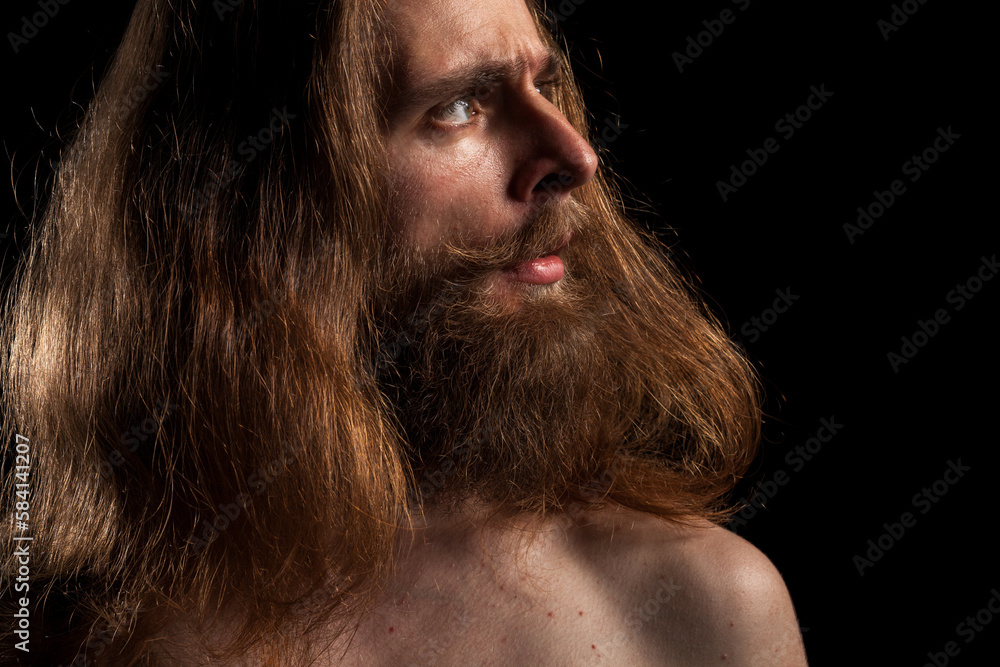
(616, 588)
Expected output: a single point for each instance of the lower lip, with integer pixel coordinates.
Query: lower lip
(541, 271)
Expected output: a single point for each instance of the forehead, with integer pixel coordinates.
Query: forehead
(437, 36)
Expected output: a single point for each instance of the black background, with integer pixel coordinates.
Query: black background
(826, 357)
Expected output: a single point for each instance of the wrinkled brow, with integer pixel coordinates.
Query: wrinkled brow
(414, 96)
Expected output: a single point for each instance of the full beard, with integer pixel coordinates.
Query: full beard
(510, 392)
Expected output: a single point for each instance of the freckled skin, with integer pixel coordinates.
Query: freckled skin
(453, 615)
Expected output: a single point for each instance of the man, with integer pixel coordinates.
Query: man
(427, 397)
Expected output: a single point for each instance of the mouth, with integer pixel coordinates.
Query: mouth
(542, 270)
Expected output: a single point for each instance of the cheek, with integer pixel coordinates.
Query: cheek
(446, 194)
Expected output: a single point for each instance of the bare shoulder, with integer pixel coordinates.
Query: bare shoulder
(739, 599)
(698, 595)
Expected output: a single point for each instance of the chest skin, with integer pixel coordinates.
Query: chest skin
(568, 601)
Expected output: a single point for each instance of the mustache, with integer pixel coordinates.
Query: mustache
(544, 232)
(408, 284)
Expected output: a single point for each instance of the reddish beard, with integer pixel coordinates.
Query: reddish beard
(509, 397)
(491, 381)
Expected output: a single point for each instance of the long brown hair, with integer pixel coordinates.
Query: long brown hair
(187, 344)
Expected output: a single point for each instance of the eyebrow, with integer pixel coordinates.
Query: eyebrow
(466, 79)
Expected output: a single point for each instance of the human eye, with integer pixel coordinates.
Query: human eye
(547, 88)
(458, 112)
(461, 110)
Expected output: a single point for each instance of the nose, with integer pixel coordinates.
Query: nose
(555, 160)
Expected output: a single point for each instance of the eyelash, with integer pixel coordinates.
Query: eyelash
(544, 88)
(455, 106)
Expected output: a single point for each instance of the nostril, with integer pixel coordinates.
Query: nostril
(553, 183)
